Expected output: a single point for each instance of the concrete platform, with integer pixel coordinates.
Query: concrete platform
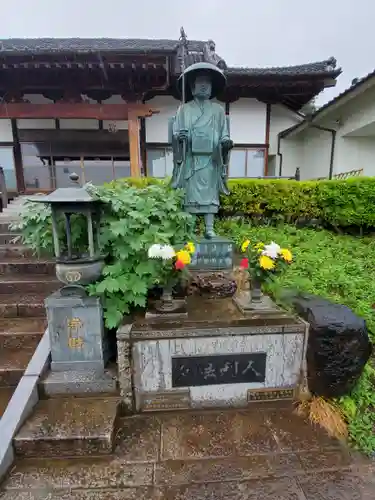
(266, 454)
(68, 427)
(79, 382)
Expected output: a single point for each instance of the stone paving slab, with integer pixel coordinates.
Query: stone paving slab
(68, 427)
(213, 455)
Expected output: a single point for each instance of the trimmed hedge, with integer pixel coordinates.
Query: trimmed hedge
(342, 203)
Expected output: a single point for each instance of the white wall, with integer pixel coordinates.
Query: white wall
(354, 122)
(292, 154)
(157, 125)
(248, 121)
(281, 119)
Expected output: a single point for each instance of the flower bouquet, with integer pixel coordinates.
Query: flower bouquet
(262, 263)
(173, 269)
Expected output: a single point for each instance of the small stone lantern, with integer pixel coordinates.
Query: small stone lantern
(73, 268)
(75, 320)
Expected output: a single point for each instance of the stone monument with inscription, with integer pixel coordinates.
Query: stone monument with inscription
(215, 357)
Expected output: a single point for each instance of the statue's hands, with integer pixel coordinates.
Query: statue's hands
(183, 135)
(227, 144)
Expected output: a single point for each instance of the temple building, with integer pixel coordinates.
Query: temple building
(101, 108)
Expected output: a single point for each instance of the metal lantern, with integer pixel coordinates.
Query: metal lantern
(75, 268)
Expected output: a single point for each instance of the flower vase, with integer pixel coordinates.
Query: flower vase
(255, 290)
(167, 303)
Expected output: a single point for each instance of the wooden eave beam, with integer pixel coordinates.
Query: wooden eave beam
(75, 110)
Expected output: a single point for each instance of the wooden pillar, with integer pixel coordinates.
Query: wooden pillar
(134, 145)
(17, 155)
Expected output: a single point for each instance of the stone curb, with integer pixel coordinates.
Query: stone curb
(22, 403)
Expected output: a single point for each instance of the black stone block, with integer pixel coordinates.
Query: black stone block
(338, 346)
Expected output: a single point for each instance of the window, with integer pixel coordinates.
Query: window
(159, 162)
(246, 162)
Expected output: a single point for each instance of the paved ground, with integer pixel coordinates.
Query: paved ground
(257, 454)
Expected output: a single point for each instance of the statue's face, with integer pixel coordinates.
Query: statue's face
(202, 87)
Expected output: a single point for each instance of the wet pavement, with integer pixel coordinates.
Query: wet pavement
(261, 453)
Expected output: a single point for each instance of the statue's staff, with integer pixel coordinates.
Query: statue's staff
(184, 51)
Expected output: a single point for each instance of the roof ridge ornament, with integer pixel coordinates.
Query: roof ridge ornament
(210, 55)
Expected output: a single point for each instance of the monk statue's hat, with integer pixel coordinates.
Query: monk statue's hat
(218, 78)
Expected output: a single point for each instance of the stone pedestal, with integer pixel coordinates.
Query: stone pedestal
(265, 306)
(76, 332)
(216, 357)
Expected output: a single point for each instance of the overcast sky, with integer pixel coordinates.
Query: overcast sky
(246, 32)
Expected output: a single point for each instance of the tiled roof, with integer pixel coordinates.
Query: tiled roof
(316, 68)
(39, 46)
(34, 46)
(355, 85)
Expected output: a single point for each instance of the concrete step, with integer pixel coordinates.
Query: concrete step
(74, 476)
(9, 238)
(21, 306)
(34, 283)
(69, 427)
(4, 225)
(5, 396)
(26, 266)
(13, 363)
(15, 252)
(21, 333)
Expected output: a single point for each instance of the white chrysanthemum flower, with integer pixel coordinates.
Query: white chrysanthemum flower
(154, 251)
(167, 252)
(272, 250)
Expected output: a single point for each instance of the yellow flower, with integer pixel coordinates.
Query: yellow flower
(286, 254)
(244, 245)
(190, 247)
(259, 247)
(266, 262)
(183, 256)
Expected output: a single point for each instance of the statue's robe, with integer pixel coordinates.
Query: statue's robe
(203, 173)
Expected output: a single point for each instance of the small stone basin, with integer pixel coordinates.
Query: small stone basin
(79, 273)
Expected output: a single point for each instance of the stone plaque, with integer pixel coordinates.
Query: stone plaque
(77, 335)
(168, 400)
(191, 371)
(214, 254)
(269, 394)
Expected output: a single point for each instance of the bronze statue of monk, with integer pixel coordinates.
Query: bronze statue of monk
(201, 143)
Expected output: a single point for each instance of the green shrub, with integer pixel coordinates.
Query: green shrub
(133, 219)
(342, 203)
